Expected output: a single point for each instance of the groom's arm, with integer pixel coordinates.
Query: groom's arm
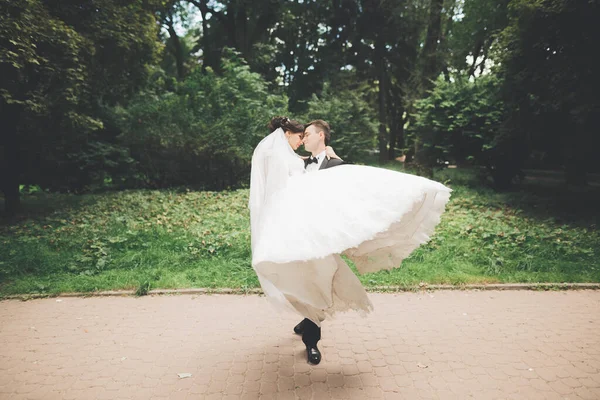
(334, 162)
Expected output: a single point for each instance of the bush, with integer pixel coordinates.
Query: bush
(462, 122)
(202, 133)
(354, 132)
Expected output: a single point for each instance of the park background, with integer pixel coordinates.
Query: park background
(128, 129)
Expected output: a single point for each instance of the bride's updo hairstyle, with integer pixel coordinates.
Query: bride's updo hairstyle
(286, 124)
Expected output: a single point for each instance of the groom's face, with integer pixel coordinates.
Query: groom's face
(312, 137)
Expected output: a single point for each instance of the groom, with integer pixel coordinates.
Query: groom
(317, 135)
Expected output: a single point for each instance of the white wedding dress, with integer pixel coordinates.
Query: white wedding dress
(375, 216)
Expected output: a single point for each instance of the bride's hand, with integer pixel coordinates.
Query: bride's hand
(330, 153)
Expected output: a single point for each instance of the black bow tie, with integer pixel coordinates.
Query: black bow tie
(310, 160)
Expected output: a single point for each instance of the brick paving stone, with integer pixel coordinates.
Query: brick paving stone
(440, 345)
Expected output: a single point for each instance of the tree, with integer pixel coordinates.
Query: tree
(123, 36)
(429, 65)
(177, 50)
(238, 24)
(550, 83)
(60, 62)
(475, 34)
(350, 117)
(385, 43)
(42, 81)
(464, 122)
(306, 47)
(203, 132)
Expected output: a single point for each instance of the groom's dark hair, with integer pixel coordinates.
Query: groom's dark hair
(322, 126)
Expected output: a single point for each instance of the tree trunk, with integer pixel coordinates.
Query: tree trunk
(473, 66)
(446, 74)
(396, 131)
(577, 156)
(434, 32)
(575, 174)
(9, 178)
(209, 52)
(206, 49)
(240, 33)
(177, 49)
(400, 131)
(450, 13)
(381, 76)
(430, 68)
(12, 197)
(393, 134)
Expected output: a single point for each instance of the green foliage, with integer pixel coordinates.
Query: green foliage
(242, 25)
(350, 118)
(176, 239)
(461, 121)
(550, 86)
(70, 74)
(169, 56)
(130, 239)
(123, 40)
(60, 63)
(204, 132)
(523, 236)
(540, 96)
(34, 44)
(143, 289)
(476, 34)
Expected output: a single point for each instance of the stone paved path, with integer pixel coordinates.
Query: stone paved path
(440, 345)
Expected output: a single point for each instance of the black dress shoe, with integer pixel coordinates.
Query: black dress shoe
(313, 354)
(299, 329)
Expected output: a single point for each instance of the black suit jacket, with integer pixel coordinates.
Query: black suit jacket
(333, 162)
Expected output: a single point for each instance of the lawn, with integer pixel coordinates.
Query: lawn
(181, 238)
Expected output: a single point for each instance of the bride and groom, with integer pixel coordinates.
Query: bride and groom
(304, 214)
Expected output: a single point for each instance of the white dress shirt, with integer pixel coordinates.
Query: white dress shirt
(315, 166)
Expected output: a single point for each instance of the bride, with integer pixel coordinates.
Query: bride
(302, 222)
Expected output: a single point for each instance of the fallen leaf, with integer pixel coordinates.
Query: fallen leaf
(184, 375)
(422, 365)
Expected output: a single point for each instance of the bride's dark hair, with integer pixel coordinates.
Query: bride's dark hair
(286, 124)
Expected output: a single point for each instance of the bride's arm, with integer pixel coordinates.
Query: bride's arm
(331, 154)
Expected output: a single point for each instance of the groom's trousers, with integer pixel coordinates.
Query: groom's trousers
(311, 334)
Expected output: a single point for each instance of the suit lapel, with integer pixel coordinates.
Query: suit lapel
(324, 163)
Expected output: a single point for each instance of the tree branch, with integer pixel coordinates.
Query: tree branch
(473, 66)
(205, 9)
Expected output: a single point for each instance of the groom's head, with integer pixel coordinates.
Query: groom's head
(316, 135)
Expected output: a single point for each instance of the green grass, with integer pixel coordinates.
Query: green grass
(179, 239)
